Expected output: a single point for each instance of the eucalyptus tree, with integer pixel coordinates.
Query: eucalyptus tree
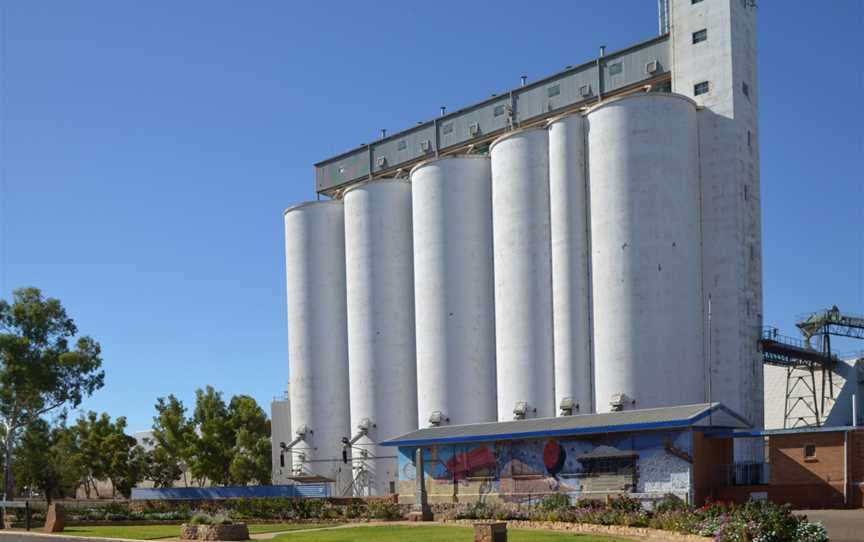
(43, 367)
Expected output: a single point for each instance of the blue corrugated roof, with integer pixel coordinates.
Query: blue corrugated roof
(793, 431)
(700, 415)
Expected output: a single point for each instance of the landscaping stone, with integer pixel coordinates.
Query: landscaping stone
(588, 528)
(233, 531)
(55, 519)
(490, 532)
(188, 532)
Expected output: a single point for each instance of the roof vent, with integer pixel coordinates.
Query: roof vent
(437, 418)
(520, 411)
(618, 402)
(568, 407)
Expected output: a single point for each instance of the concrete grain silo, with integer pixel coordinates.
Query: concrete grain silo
(571, 285)
(380, 306)
(317, 337)
(523, 275)
(454, 292)
(646, 265)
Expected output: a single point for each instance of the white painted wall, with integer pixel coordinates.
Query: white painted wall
(280, 431)
(454, 290)
(645, 251)
(523, 274)
(381, 348)
(731, 219)
(571, 285)
(317, 335)
(848, 380)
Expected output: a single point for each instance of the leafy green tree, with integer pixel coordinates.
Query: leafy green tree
(173, 436)
(126, 459)
(108, 453)
(212, 452)
(251, 458)
(162, 468)
(45, 460)
(93, 431)
(66, 453)
(40, 370)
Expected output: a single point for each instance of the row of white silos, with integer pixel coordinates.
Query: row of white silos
(565, 265)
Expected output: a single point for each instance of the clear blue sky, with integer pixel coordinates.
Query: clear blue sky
(148, 149)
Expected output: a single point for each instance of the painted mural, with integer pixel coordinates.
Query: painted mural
(523, 470)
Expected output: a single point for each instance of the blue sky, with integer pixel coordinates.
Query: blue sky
(147, 150)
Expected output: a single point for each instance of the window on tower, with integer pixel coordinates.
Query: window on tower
(700, 35)
(701, 88)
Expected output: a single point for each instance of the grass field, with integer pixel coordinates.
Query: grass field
(153, 532)
(400, 533)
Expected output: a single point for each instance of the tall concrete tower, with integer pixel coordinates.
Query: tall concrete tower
(713, 46)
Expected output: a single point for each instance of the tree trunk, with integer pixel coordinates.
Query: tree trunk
(9, 482)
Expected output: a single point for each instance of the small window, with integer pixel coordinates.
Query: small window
(402, 145)
(809, 451)
(615, 69)
(749, 139)
(700, 36)
(499, 110)
(746, 193)
(447, 128)
(701, 88)
(282, 460)
(554, 90)
(695, 1)
(745, 88)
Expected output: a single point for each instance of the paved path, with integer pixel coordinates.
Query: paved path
(842, 525)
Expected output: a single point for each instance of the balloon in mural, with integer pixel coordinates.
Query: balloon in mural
(554, 457)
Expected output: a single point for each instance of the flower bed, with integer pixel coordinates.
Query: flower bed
(751, 522)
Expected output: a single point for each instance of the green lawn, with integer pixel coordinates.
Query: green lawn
(400, 533)
(152, 532)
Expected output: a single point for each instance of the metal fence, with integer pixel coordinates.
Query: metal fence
(743, 474)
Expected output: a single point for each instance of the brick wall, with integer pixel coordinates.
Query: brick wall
(856, 456)
(815, 482)
(789, 467)
(707, 454)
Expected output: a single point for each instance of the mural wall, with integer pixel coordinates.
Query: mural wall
(647, 464)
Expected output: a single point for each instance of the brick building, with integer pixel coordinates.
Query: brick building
(807, 467)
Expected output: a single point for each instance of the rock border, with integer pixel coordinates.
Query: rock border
(229, 531)
(590, 528)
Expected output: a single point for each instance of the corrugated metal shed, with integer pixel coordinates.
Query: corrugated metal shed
(677, 417)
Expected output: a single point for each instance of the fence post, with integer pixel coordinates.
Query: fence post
(27, 515)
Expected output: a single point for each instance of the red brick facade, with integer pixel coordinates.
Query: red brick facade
(808, 471)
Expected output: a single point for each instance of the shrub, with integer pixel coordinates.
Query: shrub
(221, 519)
(201, 518)
(384, 510)
(354, 510)
(623, 503)
(555, 502)
(669, 503)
